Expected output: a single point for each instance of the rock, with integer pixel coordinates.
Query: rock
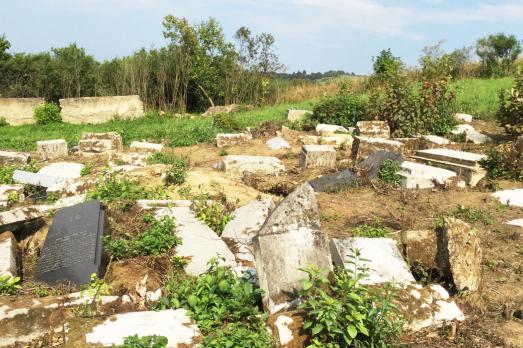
(101, 143)
(339, 141)
(64, 170)
(51, 149)
(510, 197)
(373, 129)
(297, 115)
(245, 224)
(238, 164)
(330, 129)
(435, 140)
(471, 134)
(289, 240)
(463, 118)
(175, 325)
(221, 109)
(136, 159)
(10, 192)
(70, 188)
(421, 249)
(9, 158)
(419, 176)
(223, 140)
(144, 147)
(282, 324)
(380, 255)
(363, 147)
(287, 329)
(36, 179)
(317, 156)
(199, 242)
(277, 143)
(372, 164)
(9, 254)
(334, 181)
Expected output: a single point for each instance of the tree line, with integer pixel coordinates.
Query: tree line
(197, 69)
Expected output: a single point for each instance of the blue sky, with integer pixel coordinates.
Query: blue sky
(315, 35)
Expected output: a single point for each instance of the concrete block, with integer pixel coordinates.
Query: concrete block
(106, 143)
(96, 110)
(51, 149)
(238, 164)
(363, 147)
(10, 158)
(317, 156)
(144, 147)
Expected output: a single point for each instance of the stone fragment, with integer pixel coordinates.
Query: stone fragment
(421, 249)
(330, 129)
(101, 143)
(510, 197)
(379, 255)
(51, 149)
(137, 159)
(9, 193)
(277, 143)
(223, 140)
(334, 181)
(9, 158)
(144, 147)
(317, 156)
(371, 165)
(199, 242)
(285, 335)
(238, 164)
(463, 118)
(70, 188)
(175, 325)
(289, 240)
(339, 141)
(517, 222)
(36, 179)
(420, 176)
(435, 140)
(64, 170)
(297, 115)
(471, 134)
(373, 129)
(8, 254)
(363, 147)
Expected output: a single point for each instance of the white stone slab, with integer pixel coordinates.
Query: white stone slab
(510, 197)
(384, 261)
(277, 143)
(144, 147)
(199, 242)
(8, 254)
(238, 164)
(13, 158)
(463, 118)
(517, 222)
(471, 134)
(435, 139)
(64, 170)
(175, 325)
(37, 179)
(330, 129)
(51, 149)
(420, 176)
(453, 156)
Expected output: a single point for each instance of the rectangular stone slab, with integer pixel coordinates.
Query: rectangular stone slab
(453, 156)
(73, 248)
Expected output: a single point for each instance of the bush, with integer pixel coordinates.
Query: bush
(388, 173)
(3, 122)
(503, 161)
(226, 122)
(177, 172)
(373, 230)
(216, 215)
(166, 158)
(343, 109)
(47, 113)
(472, 215)
(510, 112)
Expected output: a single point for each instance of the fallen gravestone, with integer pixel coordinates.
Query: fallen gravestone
(73, 247)
(471, 134)
(330, 129)
(317, 156)
(510, 197)
(9, 158)
(36, 179)
(277, 143)
(371, 165)
(363, 147)
(333, 182)
(64, 170)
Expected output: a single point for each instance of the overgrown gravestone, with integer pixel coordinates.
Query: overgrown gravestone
(73, 248)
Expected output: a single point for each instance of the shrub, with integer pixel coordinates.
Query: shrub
(510, 112)
(387, 65)
(343, 313)
(145, 342)
(503, 161)
(226, 122)
(47, 113)
(216, 215)
(6, 174)
(177, 172)
(388, 173)
(3, 122)
(9, 285)
(87, 169)
(343, 109)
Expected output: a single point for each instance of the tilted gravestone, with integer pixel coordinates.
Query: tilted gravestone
(73, 248)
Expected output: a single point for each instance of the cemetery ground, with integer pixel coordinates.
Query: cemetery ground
(200, 186)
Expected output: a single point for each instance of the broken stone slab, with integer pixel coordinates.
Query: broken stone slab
(101, 143)
(463, 118)
(133, 158)
(334, 181)
(362, 147)
(420, 176)
(380, 255)
(517, 222)
(297, 115)
(64, 170)
(371, 165)
(245, 224)
(290, 239)
(36, 179)
(199, 242)
(510, 197)
(263, 165)
(471, 134)
(330, 129)
(465, 164)
(317, 156)
(339, 141)
(70, 188)
(9, 158)
(51, 149)
(224, 109)
(9, 254)
(277, 143)
(145, 147)
(175, 325)
(373, 129)
(435, 140)
(223, 140)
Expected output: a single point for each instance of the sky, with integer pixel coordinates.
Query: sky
(311, 35)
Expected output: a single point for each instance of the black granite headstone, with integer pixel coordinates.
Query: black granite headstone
(73, 248)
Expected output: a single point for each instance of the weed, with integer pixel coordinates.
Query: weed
(504, 161)
(373, 230)
(388, 173)
(343, 109)
(144, 342)
(9, 285)
(472, 215)
(93, 291)
(3, 122)
(215, 214)
(166, 158)
(52, 197)
(13, 198)
(47, 113)
(177, 172)
(223, 152)
(87, 169)
(226, 122)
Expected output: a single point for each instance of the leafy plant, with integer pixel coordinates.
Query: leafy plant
(226, 122)
(145, 342)
(6, 174)
(3, 122)
(177, 172)
(9, 285)
(503, 161)
(510, 113)
(87, 169)
(388, 173)
(373, 230)
(215, 214)
(166, 158)
(343, 109)
(47, 113)
(93, 291)
(472, 215)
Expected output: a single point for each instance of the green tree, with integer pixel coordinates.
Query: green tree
(387, 65)
(76, 71)
(498, 53)
(4, 46)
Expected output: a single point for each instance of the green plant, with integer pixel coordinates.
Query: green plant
(87, 169)
(510, 113)
(226, 122)
(144, 342)
(9, 285)
(223, 152)
(343, 313)
(13, 198)
(215, 214)
(177, 172)
(166, 158)
(3, 122)
(343, 109)
(503, 161)
(373, 230)
(47, 113)
(472, 215)
(92, 293)
(388, 173)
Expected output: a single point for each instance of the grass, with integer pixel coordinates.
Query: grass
(152, 127)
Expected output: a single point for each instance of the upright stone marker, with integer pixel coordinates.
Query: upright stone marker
(73, 248)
